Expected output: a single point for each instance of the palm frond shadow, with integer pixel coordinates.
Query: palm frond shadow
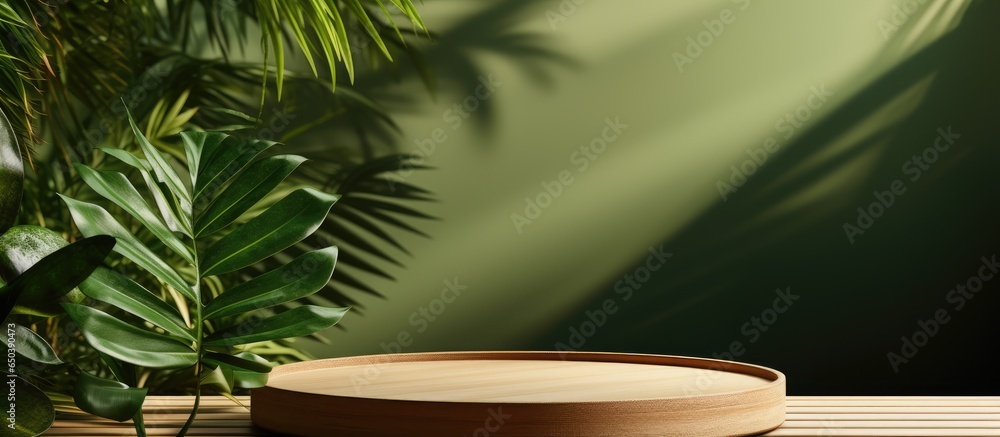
(352, 140)
(454, 55)
(375, 203)
(856, 299)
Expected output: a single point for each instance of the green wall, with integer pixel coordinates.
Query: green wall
(562, 77)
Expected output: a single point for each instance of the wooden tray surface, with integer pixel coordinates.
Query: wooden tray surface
(520, 394)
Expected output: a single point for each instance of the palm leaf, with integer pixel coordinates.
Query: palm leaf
(225, 181)
(317, 28)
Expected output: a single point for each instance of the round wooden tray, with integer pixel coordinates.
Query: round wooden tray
(520, 394)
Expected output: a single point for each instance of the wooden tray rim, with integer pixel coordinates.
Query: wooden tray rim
(777, 379)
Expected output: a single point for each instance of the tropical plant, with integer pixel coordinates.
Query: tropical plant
(70, 68)
(192, 217)
(98, 43)
(164, 61)
(33, 293)
(37, 269)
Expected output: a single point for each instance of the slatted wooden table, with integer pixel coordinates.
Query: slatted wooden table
(807, 416)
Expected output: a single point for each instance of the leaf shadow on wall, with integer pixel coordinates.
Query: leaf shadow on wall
(784, 228)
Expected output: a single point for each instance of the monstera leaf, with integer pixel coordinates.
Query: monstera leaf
(199, 216)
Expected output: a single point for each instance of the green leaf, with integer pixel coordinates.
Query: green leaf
(111, 287)
(249, 370)
(301, 277)
(246, 190)
(122, 371)
(94, 220)
(388, 16)
(246, 379)
(240, 361)
(129, 343)
(221, 158)
(166, 175)
(117, 188)
(108, 399)
(362, 15)
(175, 220)
(296, 322)
(32, 346)
(24, 245)
(170, 217)
(163, 171)
(411, 12)
(220, 378)
(35, 413)
(11, 175)
(128, 158)
(285, 223)
(37, 290)
(198, 144)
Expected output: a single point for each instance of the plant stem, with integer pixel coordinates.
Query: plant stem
(199, 334)
(140, 426)
(194, 410)
(197, 378)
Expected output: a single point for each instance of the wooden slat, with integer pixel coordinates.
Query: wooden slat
(884, 416)
(986, 424)
(893, 409)
(889, 398)
(956, 416)
(891, 416)
(130, 431)
(164, 416)
(893, 403)
(902, 432)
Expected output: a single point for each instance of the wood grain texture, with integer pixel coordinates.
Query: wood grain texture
(219, 416)
(520, 394)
